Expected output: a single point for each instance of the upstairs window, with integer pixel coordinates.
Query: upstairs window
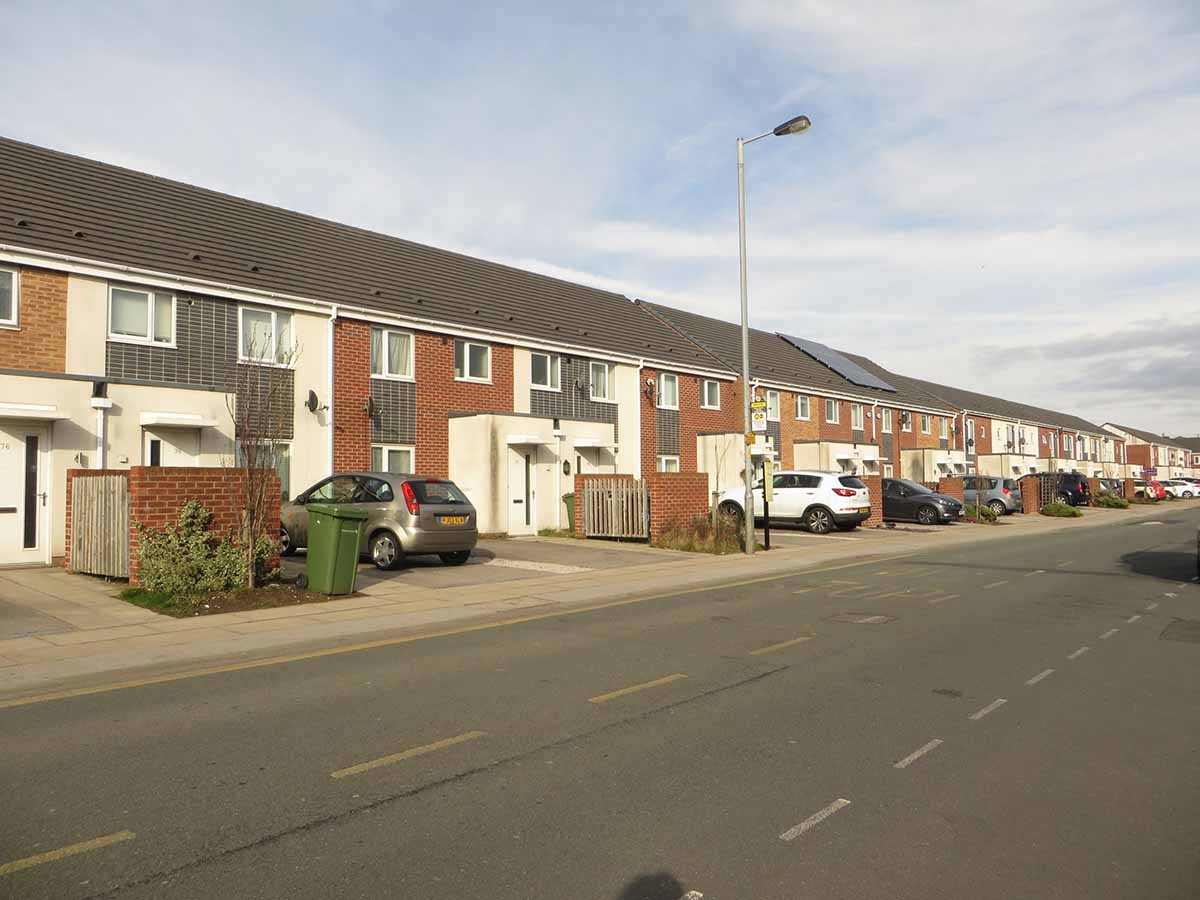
(8, 297)
(943, 427)
(803, 410)
(266, 336)
(668, 391)
(832, 413)
(391, 353)
(143, 317)
(772, 406)
(906, 421)
(472, 362)
(856, 416)
(600, 379)
(886, 425)
(544, 371)
(710, 395)
(926, 424)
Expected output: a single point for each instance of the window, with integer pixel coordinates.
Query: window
(831, 412)
(943, 427)
(926, 424)
(544, 371)
(887, 467)
(1068, 445)
(668, 391)
(970, 433)
(772, 406)
(710, 395)
(905, 421)
(886, 423)
(391, 353)
(802, 407)
(600, 376)
(393, 460)
(8, 297)
(266, 335)
(668, 464)
(856, 416)
(143, 317)
(472, 362)
(266, 454)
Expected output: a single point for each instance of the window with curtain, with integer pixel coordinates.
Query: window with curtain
(391, 353)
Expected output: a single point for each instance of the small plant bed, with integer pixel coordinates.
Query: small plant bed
(555, 533)
(269, 596)
(1109, 501)
(700, 537)
(1061, 511)
(982, 515)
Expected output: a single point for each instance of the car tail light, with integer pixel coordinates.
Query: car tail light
(410, 499)
(1007, 492)
(845, 492)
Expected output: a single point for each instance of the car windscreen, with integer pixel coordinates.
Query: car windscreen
(851, 482)
(913, 486)
(437, 492)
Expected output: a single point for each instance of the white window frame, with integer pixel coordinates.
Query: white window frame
(856, 412)
(386, 449)
(553, 371)
(14, 320)
(274, 357)
(662, 379)
(1068, 446)
(885, 422)
(926, 423)
(773, 416)
(970, 436)
(888, 470)
(662, 462)
(906, 421)
(943, 428)
(383, 349)
(609, 382)
(704, 404)
(466, 369)
(834, 405)
(149, 340)
(807, 404)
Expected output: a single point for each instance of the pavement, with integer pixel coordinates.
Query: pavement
(58, 630)
(952, 721)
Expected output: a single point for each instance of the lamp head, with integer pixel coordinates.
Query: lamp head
(793, 126)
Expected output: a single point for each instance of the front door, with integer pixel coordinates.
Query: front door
(522, 491)
(171, 447)
(24, 504)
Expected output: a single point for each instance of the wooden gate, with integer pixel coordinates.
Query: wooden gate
(616, 508)
(100, 525)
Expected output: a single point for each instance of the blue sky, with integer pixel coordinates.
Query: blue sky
(1006, 200)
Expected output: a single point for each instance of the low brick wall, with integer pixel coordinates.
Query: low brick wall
(874, 485)
(72, 474)
(1130, 488)
(580, 481)
(951, 486)
(1095, 487)
(1031, 495)
(676, 498)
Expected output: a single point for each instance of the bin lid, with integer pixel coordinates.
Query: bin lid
(337, 510)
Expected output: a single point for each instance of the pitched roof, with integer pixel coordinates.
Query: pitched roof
(92, 210)
(1191, 443)
(1149, 436)
(1007, 409)
(774, 360)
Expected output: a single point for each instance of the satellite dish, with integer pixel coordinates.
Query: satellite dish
(312, 403)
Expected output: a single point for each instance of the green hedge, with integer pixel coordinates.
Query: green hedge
(1061, 511)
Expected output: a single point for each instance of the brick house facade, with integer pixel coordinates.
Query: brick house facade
(39, 340)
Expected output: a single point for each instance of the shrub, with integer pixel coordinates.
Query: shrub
(187, 561)
(1110, 501)
(984, 514)
(1061, 511)
(699, 536)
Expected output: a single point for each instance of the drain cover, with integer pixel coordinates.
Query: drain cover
(862, 618)
(1186, 630)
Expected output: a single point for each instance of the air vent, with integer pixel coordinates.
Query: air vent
(376, 292)
(194, 255)
(77, 233)
(254, 267)
(21, 222)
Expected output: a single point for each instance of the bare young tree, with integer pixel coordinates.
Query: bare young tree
(260, 405)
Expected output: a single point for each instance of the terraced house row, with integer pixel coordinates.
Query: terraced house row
(143, 321)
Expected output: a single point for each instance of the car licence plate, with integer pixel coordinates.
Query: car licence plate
(452, 520)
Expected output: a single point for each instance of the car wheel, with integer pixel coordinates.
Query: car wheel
(1187, 495)
(927, 515)
(998, 508)
(1063, 499)
(457, 558)
(286, 547)
(386, 552)
(818, 521)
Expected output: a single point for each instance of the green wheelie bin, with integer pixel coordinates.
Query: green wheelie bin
(334, 536)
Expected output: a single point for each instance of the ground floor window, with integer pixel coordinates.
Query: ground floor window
(393, 460)
(275, 455)
(668, 464)
(887, 470)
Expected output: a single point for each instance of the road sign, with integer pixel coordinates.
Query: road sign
(1150, 473)
(758, 415)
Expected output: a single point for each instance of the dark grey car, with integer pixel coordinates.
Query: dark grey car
(904, 499)
(1001, 495)
(406, 514)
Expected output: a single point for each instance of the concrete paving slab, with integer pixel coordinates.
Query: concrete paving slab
(18, 621)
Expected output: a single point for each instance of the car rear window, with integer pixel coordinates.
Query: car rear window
(1010, 484)
(851, 482)
(437, 492)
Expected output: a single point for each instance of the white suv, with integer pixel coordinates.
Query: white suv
(1178, 488)
(821, 501)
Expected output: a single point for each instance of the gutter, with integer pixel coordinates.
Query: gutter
(333, 316)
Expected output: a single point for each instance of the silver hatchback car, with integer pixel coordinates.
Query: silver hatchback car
(406, 514)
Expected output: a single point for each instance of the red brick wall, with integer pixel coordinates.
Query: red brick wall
(351, 390)
(72, 474)
(839, 431)
(694, 420)
(951, 486)
(1031, 495)
(1130, 489)
(1044, 448)
(915, 439)
(39, 342)
(676, 498)
(874, 485)
(1094, 487)
(983, 435)
(793, 430)
(1139, 455)
(648, 419)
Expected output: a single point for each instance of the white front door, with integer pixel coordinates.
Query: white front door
(522, 489)
(170, 447)
(24, 501)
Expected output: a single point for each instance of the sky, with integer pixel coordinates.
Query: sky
(1001, 197)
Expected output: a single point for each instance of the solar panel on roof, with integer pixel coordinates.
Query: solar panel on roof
(827, 356)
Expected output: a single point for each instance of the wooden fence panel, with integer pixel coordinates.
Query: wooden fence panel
(100, 525)
(615, 508)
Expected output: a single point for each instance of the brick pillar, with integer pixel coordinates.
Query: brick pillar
(1129, 488)
(578, 505)
(874, 485)
(1031, 495)
(1094, 487)
(951, 486)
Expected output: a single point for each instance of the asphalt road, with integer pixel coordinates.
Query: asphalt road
(923, 727)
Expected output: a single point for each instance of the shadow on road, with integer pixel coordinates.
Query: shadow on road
(655, 886)
(1169, 565)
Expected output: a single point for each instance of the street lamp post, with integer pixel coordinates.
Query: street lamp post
(791, 126)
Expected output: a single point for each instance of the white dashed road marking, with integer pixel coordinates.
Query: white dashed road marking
(1040, 676)
(1078, 653)
(1109, 633)
(1151, 606)
(1133, 618)
(937, 600)
(815, 819)
(990, 708)
(1063, 565)
(917, 754)
(1169, 594)
(988, 587)
(1035, 572)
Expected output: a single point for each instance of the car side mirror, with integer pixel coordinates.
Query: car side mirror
(301, 500)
